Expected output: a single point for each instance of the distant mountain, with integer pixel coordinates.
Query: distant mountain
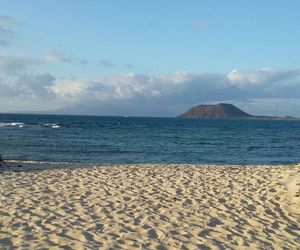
(221, 110)
(112, 109)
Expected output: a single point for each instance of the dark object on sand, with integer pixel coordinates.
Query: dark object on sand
(1, 161)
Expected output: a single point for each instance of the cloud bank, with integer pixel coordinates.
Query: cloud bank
(168, 94)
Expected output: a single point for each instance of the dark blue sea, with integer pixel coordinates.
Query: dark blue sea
(97, 140)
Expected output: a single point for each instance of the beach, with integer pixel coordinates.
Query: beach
(148, 206)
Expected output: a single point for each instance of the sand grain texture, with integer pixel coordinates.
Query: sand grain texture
(151, 207)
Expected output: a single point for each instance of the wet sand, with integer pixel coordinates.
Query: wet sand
(151, 207)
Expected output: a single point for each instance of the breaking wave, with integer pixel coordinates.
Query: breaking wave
(21, 124)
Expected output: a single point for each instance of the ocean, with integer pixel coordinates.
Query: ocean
(119, 140)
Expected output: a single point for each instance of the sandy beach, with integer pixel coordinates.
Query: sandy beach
(151, 207)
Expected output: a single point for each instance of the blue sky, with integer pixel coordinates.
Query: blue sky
(158, 55)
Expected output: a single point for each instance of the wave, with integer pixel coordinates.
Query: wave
(37, 162)
(51, 125)
(21, 124)
(12, 124)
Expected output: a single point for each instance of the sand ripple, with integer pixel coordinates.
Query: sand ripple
(151, 207)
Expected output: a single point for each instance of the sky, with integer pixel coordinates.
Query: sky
(149, 58)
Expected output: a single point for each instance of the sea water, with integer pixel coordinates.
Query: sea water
(118, 140)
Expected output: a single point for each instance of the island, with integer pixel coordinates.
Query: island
(225, 111)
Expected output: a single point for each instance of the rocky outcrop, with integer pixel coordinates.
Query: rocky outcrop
(221, 110)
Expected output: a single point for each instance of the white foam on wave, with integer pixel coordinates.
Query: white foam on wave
(21, 124)
(35, 162)
(12, 124)
(51, 125)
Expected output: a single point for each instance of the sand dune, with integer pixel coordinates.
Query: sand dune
(151, 207)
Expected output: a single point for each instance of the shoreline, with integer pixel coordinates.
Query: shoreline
(11, 164)
(153, 206)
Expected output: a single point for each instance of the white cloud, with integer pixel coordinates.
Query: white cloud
(52, 55)
(70, 89)
(258, 77)
(107, 63)
(124, 86)
(36, 86)
(270, 106)
(15, 64)
(19, 79)
(7, 33)
(7, 20)
(59, 56)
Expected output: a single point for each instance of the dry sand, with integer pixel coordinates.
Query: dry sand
(151, 207)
